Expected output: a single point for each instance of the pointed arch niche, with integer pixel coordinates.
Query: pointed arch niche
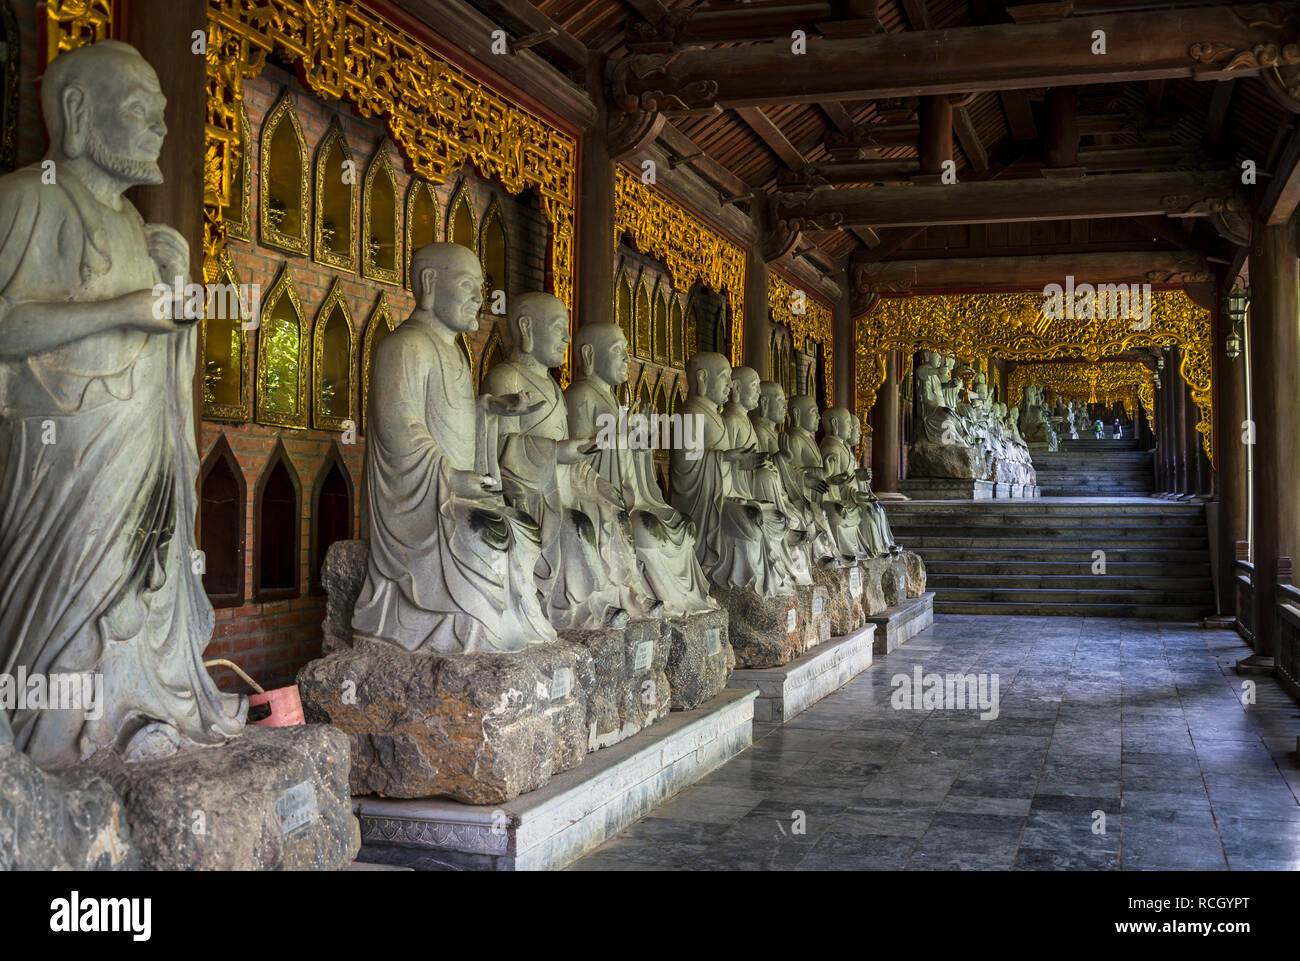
(334, 238)
(277, 508)
(493, 354)
(331, 512)
(492, 253)
(282, 339)
(333, 363)
(284, 205)
(642, 318)
(378, 325)
(462, 227)
(221, 525)
(421, 221)
(623, 305)
(677, 333)
(381, 253)
(659, 328)
(227, 387)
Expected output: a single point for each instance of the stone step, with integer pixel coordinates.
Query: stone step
(1140, 505)
(1059, 555)
(1096, 595)
(1077, 581)
(1048, 521)
(1164, 612)
(1096, 538)
(936, 566)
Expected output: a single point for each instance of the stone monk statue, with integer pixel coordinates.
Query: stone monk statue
(588, 569)
(664, 537)
(99, 576)
(740, 543)
(451, 566)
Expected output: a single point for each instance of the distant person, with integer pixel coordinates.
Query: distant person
(1119, 431)
(1098, 428)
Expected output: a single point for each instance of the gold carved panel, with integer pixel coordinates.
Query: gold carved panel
(236, 213)
(806, 319)
(227, 386)
(335, 233)
(422, 221)
(1109, 383)
(74, 23)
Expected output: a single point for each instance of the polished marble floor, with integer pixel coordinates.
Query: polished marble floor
(1139, 721)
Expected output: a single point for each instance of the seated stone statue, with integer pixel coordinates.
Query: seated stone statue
(450, 566)
(740, 543)
(97, 452)
(840, 471)
(940, 423)
(588, 570)
(664, 537)
(803, 489)
(1035, 423)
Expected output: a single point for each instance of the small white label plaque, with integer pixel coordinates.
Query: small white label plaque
(855, 582)
(561, 682)
(791, 620)
(296, 807)
(713, 640)
(819, 604)
(645, 652)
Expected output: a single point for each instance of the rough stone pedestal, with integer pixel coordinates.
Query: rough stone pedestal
(884, 583)
(814, 614)
(629, 688)
(342, 575)
(700, 658)
(844, 587)
(271, 799)
(765, 631)
(65, 821)
(481, 728)
(945, 460)
(946, 489)
(914, 566)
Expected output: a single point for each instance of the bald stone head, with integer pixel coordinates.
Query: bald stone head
(708, 375)
(771, 401)
(803, 410)
(448, 282)
(103, 103)
(538, 327)
(838, 422)
(744, 387)
(601, 352)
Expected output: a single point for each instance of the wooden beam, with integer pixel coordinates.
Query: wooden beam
(1133, 157)
(1142, 45)
(1283, 192)
(1220, 100)
(521, 17)
(1129, 266)
(936, 134)
(1020, 115)
(1061, 140)
(969, 139)
(840, 118)
(678, 144)
(771, 135)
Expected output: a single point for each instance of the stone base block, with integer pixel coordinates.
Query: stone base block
(945, 489)
(814, 614)
(785, 691)
(342, 575)
(884, 583)
(480, 728)
(844, 589)
(944, 460)
(629, 687)
(903, 621)
(574, 812)
(765, 631)
(273, 799)
(1001, 489)
(700, 658)
(914, 566)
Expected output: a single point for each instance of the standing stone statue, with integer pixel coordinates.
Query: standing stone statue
(664, 537)
(588, 569)
(451, 566)
(98, 569)
(740, 542)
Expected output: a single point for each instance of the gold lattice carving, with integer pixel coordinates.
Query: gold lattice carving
(1113, 382)
(688, 248)
(1012, 326)
(440, 117)
(73, 23)
(813, 322)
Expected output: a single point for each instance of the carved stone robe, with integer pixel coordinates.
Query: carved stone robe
(820, 542)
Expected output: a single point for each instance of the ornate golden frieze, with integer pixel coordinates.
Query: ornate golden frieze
(440, 117)
(814, 321)
(73, 23)
(1113, 382)
(1012, 326)
(688, 248)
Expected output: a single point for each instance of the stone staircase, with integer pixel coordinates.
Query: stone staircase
(1037, 557)
(1095, 468)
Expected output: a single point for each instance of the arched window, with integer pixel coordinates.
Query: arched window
(336, 201)
(659, 334)
(282, 341)
(284, 205)
(378, 325)
(461, 227)
(676, 334)
(226, 384)
(492, 249)
(380, 255)
(332, 363)
(235, 214)
(642, 316)
(331, 512)
(221, 525)
(623, 305)
(421, 222)
(493, 354)
(276, 512)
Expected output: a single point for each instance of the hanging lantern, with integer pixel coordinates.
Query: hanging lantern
(1238, 304)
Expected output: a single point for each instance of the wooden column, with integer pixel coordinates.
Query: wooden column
(595, 228)
(756, 324)
(1061, 144)
(936, 133)
(1180, 427)
(1231, 454)
(1274, 354)
(843, 335)
(885, 430)
(1164, 439)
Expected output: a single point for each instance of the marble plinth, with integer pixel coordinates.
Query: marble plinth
(814, 614)
(574, 812)
(785, 691)
(481, 728)
(700, 658)
(765, 631)
(629, 688)
(946, 489)
(271, 799)
(898, 624)
(844, 589)
(1002, 489)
